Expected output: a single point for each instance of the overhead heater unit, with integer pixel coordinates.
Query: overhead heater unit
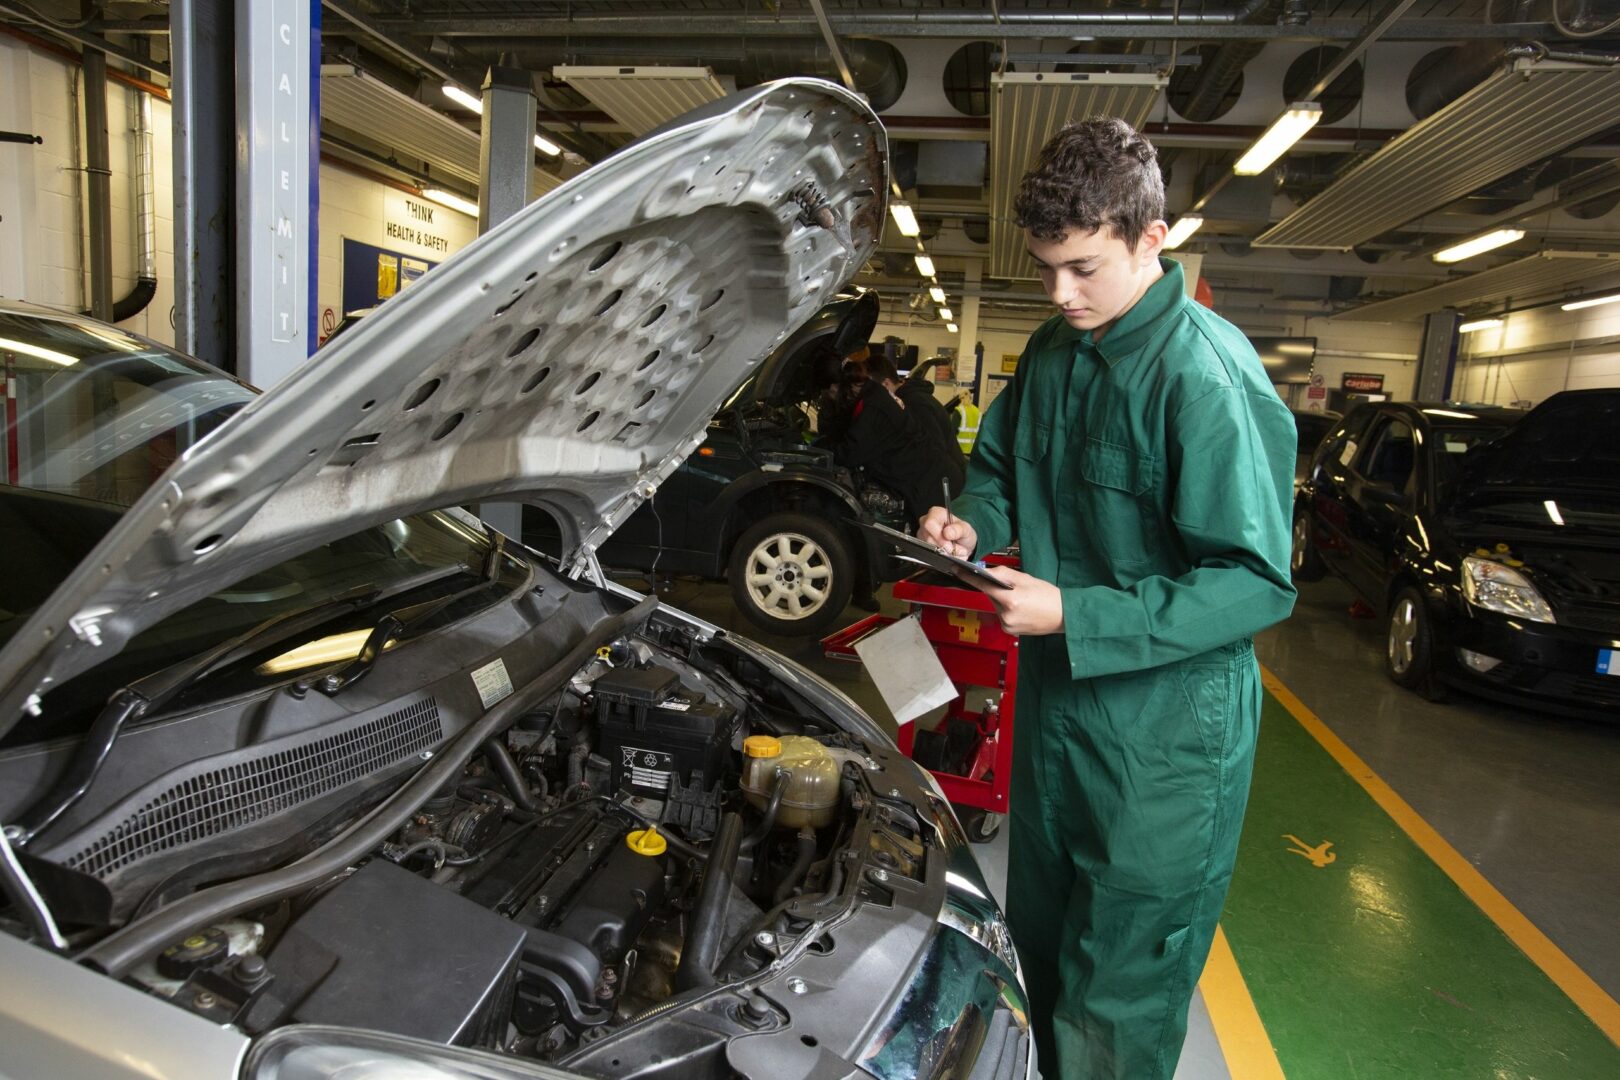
(643, 98)
(367, 106)
(1522, 114)
(1026, 110)
(1545, 276)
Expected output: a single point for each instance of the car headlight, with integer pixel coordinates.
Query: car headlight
(1493, 586)
(318, 1052)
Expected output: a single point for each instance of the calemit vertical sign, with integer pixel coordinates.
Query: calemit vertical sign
(273, 186)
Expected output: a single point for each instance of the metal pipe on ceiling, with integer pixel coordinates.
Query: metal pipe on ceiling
(88, 40)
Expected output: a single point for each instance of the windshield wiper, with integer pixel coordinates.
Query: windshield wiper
(151, 691)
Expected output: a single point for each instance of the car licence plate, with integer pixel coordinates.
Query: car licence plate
(1608, 662)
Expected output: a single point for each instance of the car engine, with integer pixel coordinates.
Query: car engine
(651, 830)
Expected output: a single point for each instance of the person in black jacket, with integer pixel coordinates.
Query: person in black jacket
(917, 395)
(894, 447)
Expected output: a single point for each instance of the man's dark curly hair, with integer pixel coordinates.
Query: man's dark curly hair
(1092, 173)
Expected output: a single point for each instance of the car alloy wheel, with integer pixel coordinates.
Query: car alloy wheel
(791, 574)
(1403, 635)
(1304, 563)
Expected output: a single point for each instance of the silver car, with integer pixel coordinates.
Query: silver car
(304, 772)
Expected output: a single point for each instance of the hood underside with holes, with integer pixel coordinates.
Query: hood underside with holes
(570, 358)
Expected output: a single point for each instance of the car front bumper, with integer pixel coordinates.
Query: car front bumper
(1544, 665)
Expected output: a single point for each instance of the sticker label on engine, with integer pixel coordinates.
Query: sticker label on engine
(1608, 662)
(492, 681)
(647, 768)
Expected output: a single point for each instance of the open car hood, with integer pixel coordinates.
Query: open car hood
(1567, 442)
(570, 358)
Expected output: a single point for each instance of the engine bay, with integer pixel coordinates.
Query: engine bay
(662, 827)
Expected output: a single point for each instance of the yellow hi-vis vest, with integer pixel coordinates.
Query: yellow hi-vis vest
(967, 428)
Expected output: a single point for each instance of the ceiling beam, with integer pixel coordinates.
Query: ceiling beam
(1128, 25)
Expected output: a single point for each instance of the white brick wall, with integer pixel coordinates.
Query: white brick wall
(1565, 352)
(358, 208)
(42, 198)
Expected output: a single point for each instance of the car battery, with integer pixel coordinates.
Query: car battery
(651, 728)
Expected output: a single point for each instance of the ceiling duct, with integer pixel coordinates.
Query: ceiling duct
(877, 67)
(1545, 276)
(1521, 114)
(643, 98)
(1218, 75)
(370, 107)
(1028, 109)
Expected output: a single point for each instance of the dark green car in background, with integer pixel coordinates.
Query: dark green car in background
(757, 505)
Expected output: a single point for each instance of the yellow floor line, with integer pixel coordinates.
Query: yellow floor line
(1587, 995)
(1244, 1042)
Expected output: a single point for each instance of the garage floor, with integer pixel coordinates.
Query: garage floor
(1422, 889)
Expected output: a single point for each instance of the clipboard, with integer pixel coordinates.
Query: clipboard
(923, 553)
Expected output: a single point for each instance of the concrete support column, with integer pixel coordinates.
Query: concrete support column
(966, 363)
(202, 37)
(1437, 357)
(505, 186)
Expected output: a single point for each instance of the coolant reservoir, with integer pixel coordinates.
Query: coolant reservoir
(811, 795)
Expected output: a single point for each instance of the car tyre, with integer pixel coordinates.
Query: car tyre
(981, 826)
(1409, 645)
(791, 574)
(1305, 563)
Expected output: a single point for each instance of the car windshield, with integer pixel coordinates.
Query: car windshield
(93, 418)
(1452, 444)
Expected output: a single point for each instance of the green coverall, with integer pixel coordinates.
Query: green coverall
(1149, 477)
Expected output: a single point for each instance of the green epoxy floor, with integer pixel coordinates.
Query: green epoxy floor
(1375, 964)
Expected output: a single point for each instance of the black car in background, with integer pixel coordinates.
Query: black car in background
(757, 505)
(1488, 538)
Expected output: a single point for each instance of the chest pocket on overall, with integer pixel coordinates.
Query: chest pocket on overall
(1116, 502)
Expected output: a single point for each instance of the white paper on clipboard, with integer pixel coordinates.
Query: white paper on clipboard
(908, 674)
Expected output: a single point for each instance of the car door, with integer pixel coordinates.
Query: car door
(1380, 489)
(1330, 480)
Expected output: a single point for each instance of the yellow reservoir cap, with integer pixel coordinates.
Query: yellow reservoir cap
(762, 746)
(646, 842)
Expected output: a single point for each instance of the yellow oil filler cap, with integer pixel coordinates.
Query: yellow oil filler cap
(762, 746)
(646, 842)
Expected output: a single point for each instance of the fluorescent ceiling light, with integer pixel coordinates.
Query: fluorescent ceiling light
(945, 313)
(925, 266)
(1185, 226)
(476, 104)
(1479, 324)
(1478, 245)
(1576, 305)
(904, 219)
(950, 328)
(37, 352)
(1284, 132)
(464, 99)
(452, 200)
(938, 294)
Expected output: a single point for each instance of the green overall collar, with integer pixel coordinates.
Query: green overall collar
(1133, 329)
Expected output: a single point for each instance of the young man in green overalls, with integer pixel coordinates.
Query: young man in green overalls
(1144, 463)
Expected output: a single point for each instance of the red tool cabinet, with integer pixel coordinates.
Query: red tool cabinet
(961, 624)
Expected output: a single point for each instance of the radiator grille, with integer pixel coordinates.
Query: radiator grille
(220, 800)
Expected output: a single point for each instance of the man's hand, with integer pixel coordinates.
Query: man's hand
(950, 534)
(1030, 607)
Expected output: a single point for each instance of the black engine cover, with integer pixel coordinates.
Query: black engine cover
(391, 951)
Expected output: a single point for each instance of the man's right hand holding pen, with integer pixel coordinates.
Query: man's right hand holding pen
(947, 532)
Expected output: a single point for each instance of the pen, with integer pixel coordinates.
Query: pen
(945, 491)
